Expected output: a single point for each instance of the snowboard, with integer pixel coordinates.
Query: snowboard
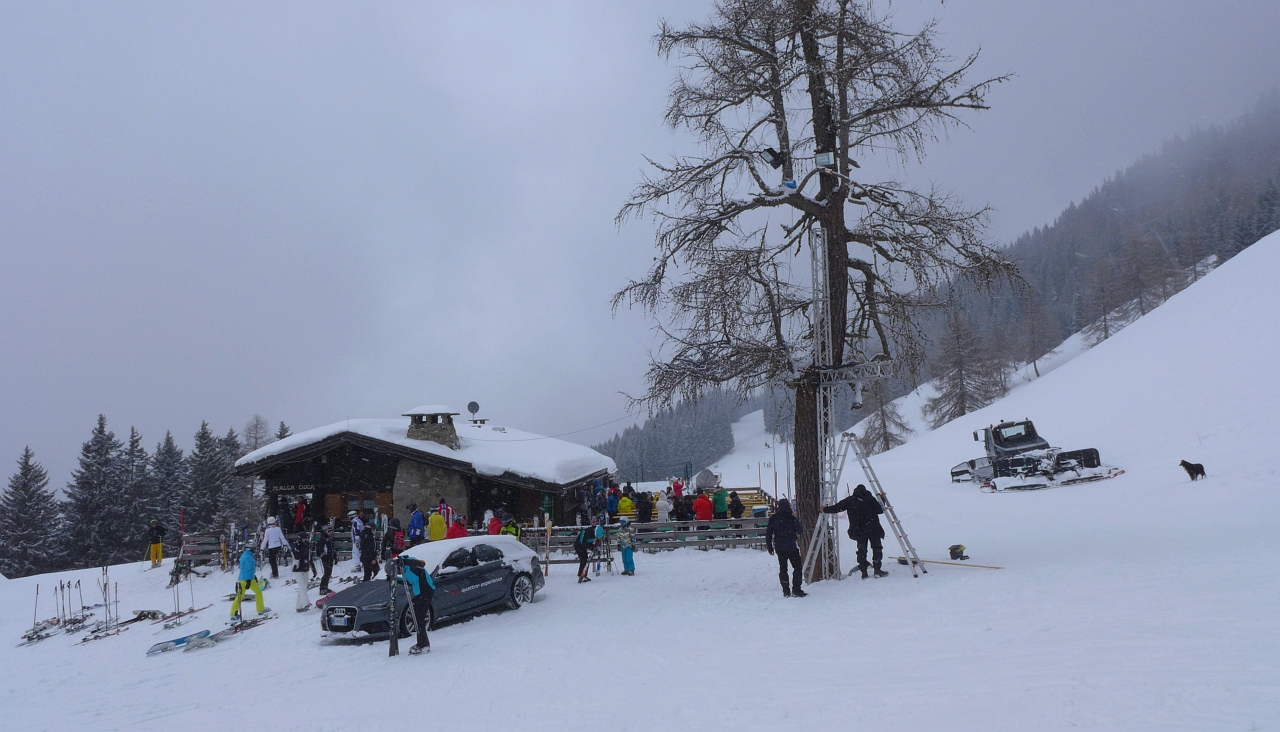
(169, 645)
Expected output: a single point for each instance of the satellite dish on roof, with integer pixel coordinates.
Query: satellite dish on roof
(473, 407)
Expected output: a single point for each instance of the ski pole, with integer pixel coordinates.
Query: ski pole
(35, 613)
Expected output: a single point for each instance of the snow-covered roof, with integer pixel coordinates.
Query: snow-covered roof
(489, 449)
(430, 409)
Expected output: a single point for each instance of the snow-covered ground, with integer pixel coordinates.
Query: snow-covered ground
(1146, 602)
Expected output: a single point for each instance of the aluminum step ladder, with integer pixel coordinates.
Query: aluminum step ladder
(850, 441)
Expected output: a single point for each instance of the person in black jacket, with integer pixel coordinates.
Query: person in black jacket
(644, 507)
(155, 543)
(782, 538)
(368, 554)
(328, 554)
(864, 526)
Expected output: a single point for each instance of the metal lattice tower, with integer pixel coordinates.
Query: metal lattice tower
(822, 560)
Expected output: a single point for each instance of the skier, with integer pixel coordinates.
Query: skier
(436, 527)
(368, 554)
(677, 486)
(736, 506)
(459, 528)
(421, 590)
(781, 537)
(300, 514)
(626, 505)
(393, 540)
(302, 566)
(417, 525)
(446, 511)
(627, 545)
(328, 555)
(720, 503)
(864, 527)
(583, 545)
(702, 509)
(509, 527)
(357, 530)
(273, 541)
(494, 526)
(644, 507)
(248, 579)
(155, 541)
(664, 508)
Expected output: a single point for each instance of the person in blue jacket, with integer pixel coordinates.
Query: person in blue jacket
(421, 590)
(248, 579)
(417, 525)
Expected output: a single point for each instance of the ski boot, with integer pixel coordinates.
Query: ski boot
(786, 592)
(881, 573)
(863, 568)
(797, 592)
(235, 619)
(304, 609)
(265, 612)
(415, 650)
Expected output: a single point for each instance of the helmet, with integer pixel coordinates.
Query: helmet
(153, 521)
(351, 514)
(624, 520)
(272, 521)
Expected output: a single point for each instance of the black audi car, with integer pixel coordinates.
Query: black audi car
(471, 575)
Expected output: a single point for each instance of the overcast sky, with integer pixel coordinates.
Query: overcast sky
(317, 211)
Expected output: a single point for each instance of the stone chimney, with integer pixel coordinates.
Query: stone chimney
(433, 423)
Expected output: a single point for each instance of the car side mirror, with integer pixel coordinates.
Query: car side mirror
(975, 436)
(448, 570)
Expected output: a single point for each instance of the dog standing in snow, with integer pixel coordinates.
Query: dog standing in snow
(1195, 471)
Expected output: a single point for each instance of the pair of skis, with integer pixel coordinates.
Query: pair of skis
(204, 639)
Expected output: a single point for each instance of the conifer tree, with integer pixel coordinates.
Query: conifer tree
(96, 520)
(233, 491)
(967, 376)
(140, 502)
(283, 431)
(29, 522)
(169, 476)
(1101, 297)
(205, 476)
(884, 428)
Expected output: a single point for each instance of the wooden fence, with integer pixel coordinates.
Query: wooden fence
(746, 532)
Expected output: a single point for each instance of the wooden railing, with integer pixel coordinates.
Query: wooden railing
(746, 532)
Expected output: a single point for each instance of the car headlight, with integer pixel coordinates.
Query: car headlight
(379, 607)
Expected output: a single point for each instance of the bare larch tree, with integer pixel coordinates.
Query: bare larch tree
(801, 77)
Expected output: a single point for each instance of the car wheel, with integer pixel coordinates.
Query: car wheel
(521, 591)
(407, 627)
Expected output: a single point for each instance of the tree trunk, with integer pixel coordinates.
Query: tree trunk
(808, 486)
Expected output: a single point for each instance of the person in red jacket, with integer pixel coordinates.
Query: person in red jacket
(495, 526)
(702, 509)
(459, 528)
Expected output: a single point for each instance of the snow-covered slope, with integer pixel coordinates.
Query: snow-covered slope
(1145, 602)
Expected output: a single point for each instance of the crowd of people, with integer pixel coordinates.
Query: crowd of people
(600, 503)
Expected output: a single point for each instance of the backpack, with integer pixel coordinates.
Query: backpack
(397, 540)
(585, 539)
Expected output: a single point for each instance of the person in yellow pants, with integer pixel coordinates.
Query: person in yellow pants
(248, 580)
(155, 536)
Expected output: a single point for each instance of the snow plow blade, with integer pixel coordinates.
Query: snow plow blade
(1039, 482)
